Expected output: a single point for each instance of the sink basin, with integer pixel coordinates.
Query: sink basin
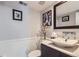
(62, 43)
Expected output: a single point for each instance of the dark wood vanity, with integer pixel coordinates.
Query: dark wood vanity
(49, 52)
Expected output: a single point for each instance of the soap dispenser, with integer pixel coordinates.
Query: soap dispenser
(54, 35)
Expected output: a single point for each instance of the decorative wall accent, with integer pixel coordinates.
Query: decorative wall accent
(17, 15)
(70, 35)
(47, 18)
(65, 18)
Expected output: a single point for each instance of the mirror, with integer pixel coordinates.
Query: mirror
(66, 15)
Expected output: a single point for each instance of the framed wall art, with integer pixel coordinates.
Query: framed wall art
(65, 18)
(47, 18)
(17, 15)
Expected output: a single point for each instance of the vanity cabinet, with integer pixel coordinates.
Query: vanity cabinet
(49, 52)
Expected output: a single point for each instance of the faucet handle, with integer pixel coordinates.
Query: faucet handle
(66, 39)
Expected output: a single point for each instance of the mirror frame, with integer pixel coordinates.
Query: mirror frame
(54, 18)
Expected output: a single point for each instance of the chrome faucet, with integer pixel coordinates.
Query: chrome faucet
(66, 39)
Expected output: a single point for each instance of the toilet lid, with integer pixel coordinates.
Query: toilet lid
(35, 53)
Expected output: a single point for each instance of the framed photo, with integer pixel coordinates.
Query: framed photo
(65, 18)
(17, 15)
(47, 18)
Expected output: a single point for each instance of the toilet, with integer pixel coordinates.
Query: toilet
(35, 50)
(35, 53)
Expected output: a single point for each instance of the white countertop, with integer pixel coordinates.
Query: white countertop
(69, 51)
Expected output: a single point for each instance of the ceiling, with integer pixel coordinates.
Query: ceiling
(32, 4)
(36, 6)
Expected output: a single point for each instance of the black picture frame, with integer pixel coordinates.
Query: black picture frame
(47, 18)
(54, 18)
(65, 18)
(17, 15)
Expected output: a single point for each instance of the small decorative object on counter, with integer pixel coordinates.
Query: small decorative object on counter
(54, 35)
(44, 31)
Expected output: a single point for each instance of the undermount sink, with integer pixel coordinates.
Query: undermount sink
(62, 43)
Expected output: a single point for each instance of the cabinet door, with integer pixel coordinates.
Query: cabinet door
(64, 55)
(48, 52)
